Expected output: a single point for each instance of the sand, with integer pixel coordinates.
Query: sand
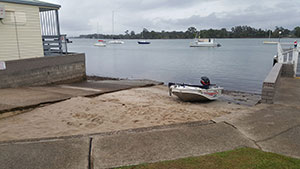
(140, 107)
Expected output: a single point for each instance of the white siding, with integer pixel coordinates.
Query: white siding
(27, 27)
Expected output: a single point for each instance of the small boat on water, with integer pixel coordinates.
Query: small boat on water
(68, 40)
(115, 42)
(204, 42)
(193, 93)
(100, 43)
(143, 42)
(270, 42)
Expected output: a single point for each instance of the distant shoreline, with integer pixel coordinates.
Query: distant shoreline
(186, 38)
(235, 32)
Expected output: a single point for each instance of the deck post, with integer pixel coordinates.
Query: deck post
(58, 31)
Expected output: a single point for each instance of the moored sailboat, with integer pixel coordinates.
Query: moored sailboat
(143, 42)
(269, 41)
(114, 41)
(100, 43)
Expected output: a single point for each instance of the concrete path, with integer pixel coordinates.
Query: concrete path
(128, 147)
(47, 154)
(275, 128)
(17, 98)
(165, 144)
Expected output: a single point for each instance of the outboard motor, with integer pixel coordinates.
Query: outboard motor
(205, 82)
(275, 59)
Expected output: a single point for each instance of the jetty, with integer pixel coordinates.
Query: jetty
(286, 65)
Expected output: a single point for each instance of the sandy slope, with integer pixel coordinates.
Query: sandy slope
(133, 108)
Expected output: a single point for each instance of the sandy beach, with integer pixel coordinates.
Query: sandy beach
(140, 107)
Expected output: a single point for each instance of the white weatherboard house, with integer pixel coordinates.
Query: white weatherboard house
(28, 29)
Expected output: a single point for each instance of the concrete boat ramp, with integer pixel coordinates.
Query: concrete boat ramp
(27, 97)
(274, 128)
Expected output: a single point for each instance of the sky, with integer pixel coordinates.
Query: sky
(95, 16)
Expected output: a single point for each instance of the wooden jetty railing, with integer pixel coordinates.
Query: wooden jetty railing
(54, 44)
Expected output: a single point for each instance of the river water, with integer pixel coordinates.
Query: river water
(239, 64)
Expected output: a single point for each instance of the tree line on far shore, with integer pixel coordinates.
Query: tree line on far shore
(192, 32)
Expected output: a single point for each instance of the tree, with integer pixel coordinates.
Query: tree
(132, 33)
(127, 32)
(280, 31)
(191, 32)
(236, 32)
(145, 30)
(297, 31)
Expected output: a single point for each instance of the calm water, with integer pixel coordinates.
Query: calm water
(240, 64)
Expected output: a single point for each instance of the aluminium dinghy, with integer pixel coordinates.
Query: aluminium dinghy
(193, 93)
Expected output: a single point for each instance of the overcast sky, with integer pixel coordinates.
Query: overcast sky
(82, 16)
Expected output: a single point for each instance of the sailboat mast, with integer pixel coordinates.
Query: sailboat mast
(113, 20)
(97, 30)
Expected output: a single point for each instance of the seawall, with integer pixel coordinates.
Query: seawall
(43, 70)
(271, 83)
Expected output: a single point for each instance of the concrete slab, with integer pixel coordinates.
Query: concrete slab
(286, 143)
(289, 92)
(274, 127)
(23, 97)
(71, 92)
(135, 148)
(266, 122)
(115, 85)
(6, 107)
(58, 154)
(13, 98)
(134, 82)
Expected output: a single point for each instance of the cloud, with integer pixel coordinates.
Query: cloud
(160, 15)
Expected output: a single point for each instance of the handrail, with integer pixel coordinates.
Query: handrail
(289, 56)
(54, 44)
(285, 56)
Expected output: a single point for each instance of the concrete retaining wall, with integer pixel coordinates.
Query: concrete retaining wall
(44, 70)
(270, 84)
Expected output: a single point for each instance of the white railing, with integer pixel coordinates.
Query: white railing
(54, 45)
(288, 55)
(285, 56)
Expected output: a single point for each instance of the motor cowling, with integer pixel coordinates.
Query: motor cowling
(205, 82)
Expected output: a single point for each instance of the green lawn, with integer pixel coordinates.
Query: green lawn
(243, 158)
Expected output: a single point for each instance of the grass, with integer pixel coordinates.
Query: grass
(242, 158)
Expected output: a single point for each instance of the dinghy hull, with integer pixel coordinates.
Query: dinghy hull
(194, 94)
